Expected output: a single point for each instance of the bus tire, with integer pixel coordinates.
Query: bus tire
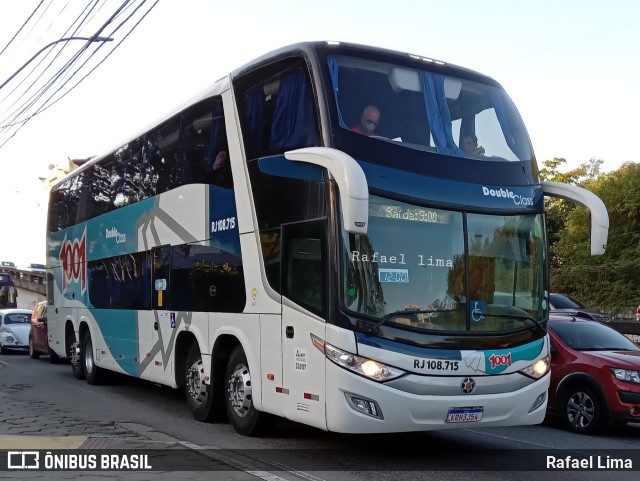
(76, 361)
(200, 397)
(53, 357)
(92, 373)
(244, 417)
(33, 354)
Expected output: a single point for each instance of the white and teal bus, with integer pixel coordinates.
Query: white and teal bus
(260, 250)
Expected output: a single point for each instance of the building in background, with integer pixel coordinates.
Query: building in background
(58, 171)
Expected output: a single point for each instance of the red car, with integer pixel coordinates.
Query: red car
(595, 375)
(38, 335)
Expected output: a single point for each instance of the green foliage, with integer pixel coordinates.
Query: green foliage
(610, 282)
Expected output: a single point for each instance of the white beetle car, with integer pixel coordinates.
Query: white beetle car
(14, 329)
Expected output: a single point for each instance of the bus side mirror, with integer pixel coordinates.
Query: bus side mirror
(599, 215)
(352, 183)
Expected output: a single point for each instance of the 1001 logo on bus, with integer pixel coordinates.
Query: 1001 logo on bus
(73, 256)
(500, 360)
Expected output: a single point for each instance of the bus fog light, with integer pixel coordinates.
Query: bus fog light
(538, 402)
(364, 405)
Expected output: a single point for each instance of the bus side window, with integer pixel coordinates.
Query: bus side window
(304, 268)
(203, 156)
(277, 114)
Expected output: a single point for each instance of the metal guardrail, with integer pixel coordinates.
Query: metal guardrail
(630, 328)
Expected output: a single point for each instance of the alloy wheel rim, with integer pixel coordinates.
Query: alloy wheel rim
(580, 410)
(88, 357)
(195, 382)
(240, 391)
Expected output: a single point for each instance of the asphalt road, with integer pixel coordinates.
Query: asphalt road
(44, 400)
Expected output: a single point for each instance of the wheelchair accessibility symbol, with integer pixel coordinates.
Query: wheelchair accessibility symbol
(478, 311)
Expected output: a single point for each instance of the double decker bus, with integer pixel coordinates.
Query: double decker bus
(312, 238)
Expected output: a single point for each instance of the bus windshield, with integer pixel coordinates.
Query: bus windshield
(416, 268)
(428, 111)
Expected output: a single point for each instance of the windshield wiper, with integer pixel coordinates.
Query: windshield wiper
(508, 316)
(390, 316)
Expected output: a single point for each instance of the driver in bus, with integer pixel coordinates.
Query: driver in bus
(470, 145)
(368, 121)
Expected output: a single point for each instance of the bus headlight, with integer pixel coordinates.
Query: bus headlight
(366, 367)
(538, 368)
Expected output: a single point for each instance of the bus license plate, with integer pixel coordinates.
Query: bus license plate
(464, 415)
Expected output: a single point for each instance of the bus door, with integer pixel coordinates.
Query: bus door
(154, 333)
(304, 283)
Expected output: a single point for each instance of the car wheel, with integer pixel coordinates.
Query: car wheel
(33, 354)
(582, 410)
(243, 415)
(92, 373)
(53, 357)
(2, 349)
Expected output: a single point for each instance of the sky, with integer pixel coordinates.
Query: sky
(570, 67)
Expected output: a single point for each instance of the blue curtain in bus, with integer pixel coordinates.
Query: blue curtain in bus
(438, 113)
(253, 134)
(212, 147)
(497, 98)
(333, 70)
(293, 124)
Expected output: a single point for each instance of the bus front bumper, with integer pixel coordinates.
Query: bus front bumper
(392, 410)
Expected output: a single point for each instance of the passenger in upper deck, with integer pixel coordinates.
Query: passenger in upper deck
(470, 145)
(368, 121)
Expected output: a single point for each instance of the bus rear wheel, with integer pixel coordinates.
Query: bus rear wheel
(244, 417)
(75, 356)
(200, 396)
(92, 373)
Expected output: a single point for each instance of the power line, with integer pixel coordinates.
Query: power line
(63, 46)
(36, 97)
(20, 123)
(23, 25)
(42, 109)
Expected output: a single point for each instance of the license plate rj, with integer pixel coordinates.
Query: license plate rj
(464, 414)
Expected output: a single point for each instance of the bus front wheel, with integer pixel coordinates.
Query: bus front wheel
(244, 417)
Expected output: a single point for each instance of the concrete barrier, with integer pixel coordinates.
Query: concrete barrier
(30, 281)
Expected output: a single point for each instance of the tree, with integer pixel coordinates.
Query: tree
(609, 282)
